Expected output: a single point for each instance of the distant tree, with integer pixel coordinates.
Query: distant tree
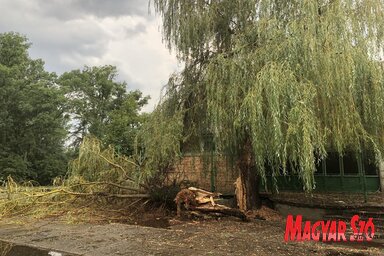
(92, 93)
(32, 119)
(102, 107)
(125, 122)
(275, 82)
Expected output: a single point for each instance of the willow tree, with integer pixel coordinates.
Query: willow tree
(278, 82)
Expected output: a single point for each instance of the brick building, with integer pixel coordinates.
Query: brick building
(349, 173)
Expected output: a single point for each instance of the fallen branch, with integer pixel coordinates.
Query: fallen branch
(107, 183)
(121, 168)
(106, 194)
(222, 210)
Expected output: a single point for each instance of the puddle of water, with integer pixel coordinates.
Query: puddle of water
(10, 249)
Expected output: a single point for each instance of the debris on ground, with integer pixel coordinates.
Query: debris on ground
(265, 213)
(200, 202)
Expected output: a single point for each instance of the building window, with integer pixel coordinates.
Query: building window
(369, 163)
(350, 164)
(332, 165)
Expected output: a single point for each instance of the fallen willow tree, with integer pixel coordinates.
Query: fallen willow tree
(112, 171)
(96, 178)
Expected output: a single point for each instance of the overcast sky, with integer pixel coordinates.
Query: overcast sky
(68, 34)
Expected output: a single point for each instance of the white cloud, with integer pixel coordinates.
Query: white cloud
(70, 34)
(142, 59)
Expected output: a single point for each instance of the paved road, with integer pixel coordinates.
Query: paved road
(225, 237)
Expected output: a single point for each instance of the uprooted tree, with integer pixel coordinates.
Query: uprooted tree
(274, 82)
(97, 177)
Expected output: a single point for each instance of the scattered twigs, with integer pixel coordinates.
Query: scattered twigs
(134, 202)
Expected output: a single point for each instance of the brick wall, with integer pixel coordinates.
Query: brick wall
(197, 170)
(381, 175)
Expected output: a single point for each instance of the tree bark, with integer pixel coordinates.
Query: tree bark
(247, 184)
(221, 209)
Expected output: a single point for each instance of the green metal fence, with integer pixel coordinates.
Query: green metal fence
(349, 173)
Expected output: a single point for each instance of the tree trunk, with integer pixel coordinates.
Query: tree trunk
(247, 184)
(222, 210)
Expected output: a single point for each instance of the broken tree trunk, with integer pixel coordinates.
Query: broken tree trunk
(247, 193)
(240, 197)
(222, 210)
(247, 184)
(204, 202)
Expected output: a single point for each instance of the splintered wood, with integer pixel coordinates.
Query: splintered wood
(240, 195)
(204, 202)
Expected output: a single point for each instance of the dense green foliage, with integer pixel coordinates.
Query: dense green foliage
(102, 107)
(295, 78)
(32, 119)
(125, 122)
(161, 138)
(39, 110)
